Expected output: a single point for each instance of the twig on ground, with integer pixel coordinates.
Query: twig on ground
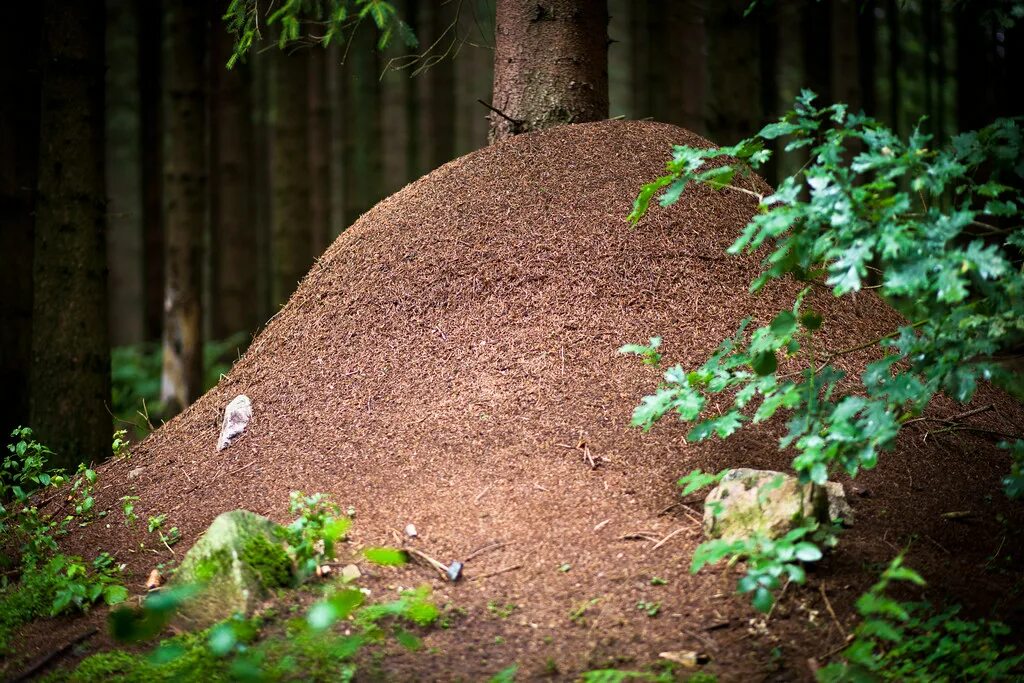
(480, 551)
(667, 538)
(440, 567)
(775, 604)
(832, 612)
(45, 661)
(503, 570)
(482, 493)
(639, 536)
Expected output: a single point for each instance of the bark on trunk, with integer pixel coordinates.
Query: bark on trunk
(19, 159)
(70, 374)
(735, 94)
(291, 237)
(234, 303)
(319, 142)
(362, 126)
(185, 201)
(550, 64)
(124, 187)
(437, 87)
(151, 173)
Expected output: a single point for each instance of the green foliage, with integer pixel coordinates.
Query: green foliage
(648, 352)
(769, 561)
(936, 231)
(312, 21)
(898, 641)
(50, 583)
(312, 536)
(1014, 482)
(311, 648)
(128, 507)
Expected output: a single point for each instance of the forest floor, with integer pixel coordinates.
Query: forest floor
(446, 360)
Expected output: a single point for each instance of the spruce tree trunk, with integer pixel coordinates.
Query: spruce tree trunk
(124, 187)
(232, 237)
(291, 249)
(150, 20)
(734, 52)
(436, 88)
(185, 200)
(550, 64)
(19, 160)
(362, 126)
(70, 374)
(319, 141)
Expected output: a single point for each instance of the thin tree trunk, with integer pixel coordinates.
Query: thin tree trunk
(690, 79)
(866, 57)
(318, 139)
(816, 25)
(19, 161)
(845, 79)
(336, 100)
(234, 304)
(395, 89)
(151, 133)
(185, 200)
(437, 85)
(362, 126)
(70, 374)
(735, 83)
(550, 64)
(895, 55)
(124, 187)
(291, 237)
(620, 58)
(473, 66)
(260, 193)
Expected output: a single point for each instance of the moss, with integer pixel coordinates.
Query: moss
(24, 601)
(268, 560)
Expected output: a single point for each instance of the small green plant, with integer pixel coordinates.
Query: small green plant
(312, 536)
(502, 611)
(156, 522)
(82, 488)
(651, 609)
(898, 641)
(119, 446)
(171, 537)
(658, 581)
(577, 614)
(648, 352)
(128, 507)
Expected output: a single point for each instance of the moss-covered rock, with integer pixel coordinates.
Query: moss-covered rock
(238, 560)
(751, 502)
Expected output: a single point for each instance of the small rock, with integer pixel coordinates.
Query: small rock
(838, 506)
(323, 570)
(687, 658)
(455, 571)
(155, 580)
(748, 502)
(236, 417)
(410, 530)
(135, 473)
(350, 573)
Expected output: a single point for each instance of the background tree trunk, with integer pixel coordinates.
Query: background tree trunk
(362, 125)
(291, 235)
(232, 235)
(124, 186)
(319, 141)
(19, 160)
(550, 64)
(185, 200)
(151, 132)
(436, 86)
(735, 88)
(70, 375)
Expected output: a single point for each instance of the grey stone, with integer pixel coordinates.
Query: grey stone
(236, 417)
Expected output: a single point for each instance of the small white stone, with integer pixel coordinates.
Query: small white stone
(410, 530)
(236, 417)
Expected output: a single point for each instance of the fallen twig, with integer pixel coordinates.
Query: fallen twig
(440, 567)
(497, 571)
(480, 551)
(639, 536)
(832, 612)
(45, 661)
(667, 538)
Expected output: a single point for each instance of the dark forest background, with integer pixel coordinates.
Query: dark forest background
(290, 147)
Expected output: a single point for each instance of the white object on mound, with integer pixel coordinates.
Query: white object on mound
(236, 417)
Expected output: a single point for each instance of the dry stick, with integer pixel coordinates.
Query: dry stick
(666, 539)
(837, 648)
(514, 122)
(771, 610)
(484, 549)
(707, 641)
(442, 568)
(482, 493)
(639, 536)
(45, 661)
(832, 612)
(951, 420)
(503, 570)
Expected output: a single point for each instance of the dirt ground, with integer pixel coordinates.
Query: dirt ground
(444, 358)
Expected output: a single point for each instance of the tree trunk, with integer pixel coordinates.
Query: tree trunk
(70, 374)
(124, 187)
(550, 64)
(845, 79)
(291, 237)
(735, 76)
(436, 86)
(319, 141)
(185, 200)
(151, 158)
(19, 159)
(473, 81)
(866, 58)
(362, 126)
(233, 240)
(260, 193)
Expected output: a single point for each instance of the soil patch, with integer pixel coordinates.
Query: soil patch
(444, 357)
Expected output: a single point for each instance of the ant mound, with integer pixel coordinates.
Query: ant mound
(451, 362)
